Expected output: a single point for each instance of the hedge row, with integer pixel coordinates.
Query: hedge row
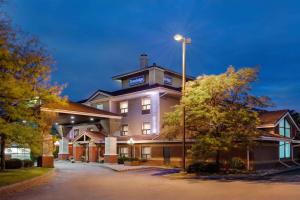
(17, 163)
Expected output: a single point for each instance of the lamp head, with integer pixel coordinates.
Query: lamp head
(178, 37)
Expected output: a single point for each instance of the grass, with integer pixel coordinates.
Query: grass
(11, 176)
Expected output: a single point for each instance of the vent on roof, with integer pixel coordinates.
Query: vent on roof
(143, 61)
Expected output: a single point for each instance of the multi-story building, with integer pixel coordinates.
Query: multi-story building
(146, 94)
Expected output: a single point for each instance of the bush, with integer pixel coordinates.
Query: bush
(203, 167)
(13, 164)
(237, 163)
(28, 163)
(123, 159)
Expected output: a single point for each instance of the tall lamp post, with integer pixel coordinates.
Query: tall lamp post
(184, 41)
(130, 142)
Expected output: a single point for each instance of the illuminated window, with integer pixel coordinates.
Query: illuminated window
(146, 104)
(123, 151)
(146, 152)
(146, 129)
(284, 128)
(99, 106)
(124, 130)
(124, 107)
(284, 149)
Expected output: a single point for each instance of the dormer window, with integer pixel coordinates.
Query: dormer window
(146, 105)
(124, 107)
(284, 128)
(99, 106)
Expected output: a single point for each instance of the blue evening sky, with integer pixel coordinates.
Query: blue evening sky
(93, 40)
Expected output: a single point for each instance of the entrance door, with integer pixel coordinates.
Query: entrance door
(167, 155)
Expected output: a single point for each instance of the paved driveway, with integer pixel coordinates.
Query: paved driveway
(86, 181)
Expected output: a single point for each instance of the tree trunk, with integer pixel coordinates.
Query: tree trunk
(218, 158)
(2, 164)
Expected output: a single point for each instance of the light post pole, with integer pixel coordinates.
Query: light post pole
(184, 42)
(130, 142)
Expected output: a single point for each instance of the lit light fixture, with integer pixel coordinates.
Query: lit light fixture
(24, 121)
(72, 121)
(56, 143)
(130, 141)
(91, 119)
(178, 37)
(72, 117)
(56, 123)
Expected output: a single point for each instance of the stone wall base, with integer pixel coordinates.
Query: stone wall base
(47, 161)
(111, 159)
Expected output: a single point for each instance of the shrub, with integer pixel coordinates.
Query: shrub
(13, 164)
(237, 163)
(195, 167)
(203, 167)
(28, 163)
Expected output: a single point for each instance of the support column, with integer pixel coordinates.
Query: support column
(63, 153)
(110, 155)
(47, 157)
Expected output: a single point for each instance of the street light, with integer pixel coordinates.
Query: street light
(184, 41)
(131, 143)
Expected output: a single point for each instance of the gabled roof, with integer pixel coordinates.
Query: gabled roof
(133, 89)
(271, 119)
(154, 66)
(80, 109)
(96, 136)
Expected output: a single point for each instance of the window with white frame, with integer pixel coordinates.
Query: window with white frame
(99, 106)
(124, 107)
(124, 129)
(146, 104)
(284, 128)
(123, 151)
(146, 128)
(146, 152)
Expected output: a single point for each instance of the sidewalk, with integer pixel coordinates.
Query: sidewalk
(122, 167)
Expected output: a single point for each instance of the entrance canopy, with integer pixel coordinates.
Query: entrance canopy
(75, 113)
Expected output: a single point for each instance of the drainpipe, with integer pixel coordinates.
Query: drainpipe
(248, 158)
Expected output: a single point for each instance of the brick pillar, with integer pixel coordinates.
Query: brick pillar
(63, 153)
(78, 151)
(93, 152)
(110, 155)
(47, 157)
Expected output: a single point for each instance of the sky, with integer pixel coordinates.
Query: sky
(93, 40)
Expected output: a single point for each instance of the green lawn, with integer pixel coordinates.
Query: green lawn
(11, 176)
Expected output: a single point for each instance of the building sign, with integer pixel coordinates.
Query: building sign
(168, 80)
(136, 80)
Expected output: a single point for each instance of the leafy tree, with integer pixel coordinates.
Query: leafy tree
(296, 116)
(220, 113)
(25, 68)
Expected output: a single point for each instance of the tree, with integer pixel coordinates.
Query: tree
(296, 116)
(220, 113)
(25, 68)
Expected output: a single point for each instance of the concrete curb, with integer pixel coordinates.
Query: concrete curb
(133, 169)
(234, 177)
(29, 183)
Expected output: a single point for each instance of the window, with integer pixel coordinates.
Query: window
(146, 152)
(284, 149)
(99, 106)
(124, 130)
(146, 129)
(124, 107)
(123, 151)
(284, 128)
(76, 132)
(146, 105)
